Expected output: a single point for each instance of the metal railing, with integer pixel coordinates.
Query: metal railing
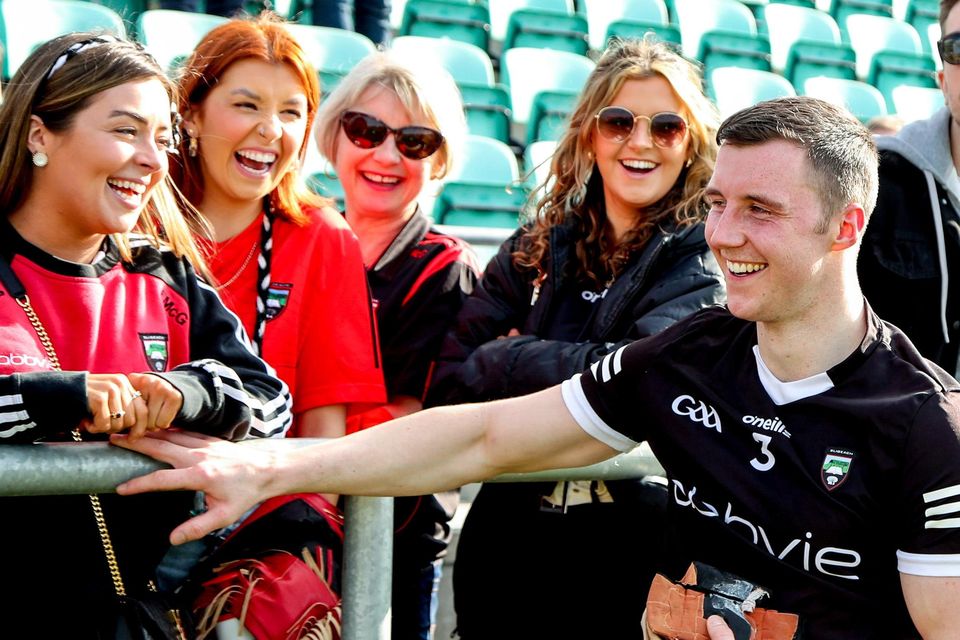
(81, 468)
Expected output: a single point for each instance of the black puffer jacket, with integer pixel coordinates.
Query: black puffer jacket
(673, 276)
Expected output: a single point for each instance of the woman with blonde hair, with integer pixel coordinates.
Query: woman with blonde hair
(390, 129)
(615, 252)
(106, 326)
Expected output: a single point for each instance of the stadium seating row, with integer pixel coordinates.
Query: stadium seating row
(865, 55)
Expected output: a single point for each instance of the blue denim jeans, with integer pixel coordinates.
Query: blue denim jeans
(369, 17)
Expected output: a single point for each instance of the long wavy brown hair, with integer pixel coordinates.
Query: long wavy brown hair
(574, 191)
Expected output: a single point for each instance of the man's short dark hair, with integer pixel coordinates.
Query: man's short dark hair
(841, 151)
(945, 7)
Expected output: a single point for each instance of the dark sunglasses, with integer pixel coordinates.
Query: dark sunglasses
(949, 48)
(368, 132)
(666, 129)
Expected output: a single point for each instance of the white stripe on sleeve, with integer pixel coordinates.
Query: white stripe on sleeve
(587, 418)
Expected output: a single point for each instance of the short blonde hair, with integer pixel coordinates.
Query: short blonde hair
(426, 91)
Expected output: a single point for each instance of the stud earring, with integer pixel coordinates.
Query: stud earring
(689, 162)
(40, 159)
(192, 146)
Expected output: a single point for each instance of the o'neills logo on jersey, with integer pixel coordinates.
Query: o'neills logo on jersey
(277, 297)
(155, 350)
(767, 424)
(24, 360)
(697, 411)
(836, 468)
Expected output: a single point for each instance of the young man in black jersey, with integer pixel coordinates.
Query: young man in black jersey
(810, 448)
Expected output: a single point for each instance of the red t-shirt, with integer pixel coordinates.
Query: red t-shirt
(320, 333)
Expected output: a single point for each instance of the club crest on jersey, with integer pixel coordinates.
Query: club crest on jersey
(277, 297)
(836, 468)
(155, 350)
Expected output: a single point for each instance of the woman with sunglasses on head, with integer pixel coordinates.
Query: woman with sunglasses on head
(106, 326)
(390, 128)
(283, 260)
(616, 252)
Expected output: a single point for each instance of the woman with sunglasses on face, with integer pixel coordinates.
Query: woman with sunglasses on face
(381, 131)
(106, 326)
(284, 261)
(616, 252)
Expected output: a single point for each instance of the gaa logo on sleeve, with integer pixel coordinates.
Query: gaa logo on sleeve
(836, 467)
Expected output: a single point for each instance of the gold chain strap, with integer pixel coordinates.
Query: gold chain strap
(24, 303)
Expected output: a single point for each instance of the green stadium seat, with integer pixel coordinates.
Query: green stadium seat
(501, 10)
(466, 63)
(487, 109)
(735, 88)
(602, 13)
(697, 17)
(840, 10)
(486, 161)
(547, 30)
(447, 19)
(810, 4)
(812, 59)
(480, 205)
(921, 14)
(529, 71)
(29, 23)
(549, 114)
(484, 190)
(668, 34)
(870, 34)
(536, 164)
(894, 68)
(861, 99)
(129, 10)
(155, 26)
(734, 49)
(916, 103)
(334, 52)
(788, 24)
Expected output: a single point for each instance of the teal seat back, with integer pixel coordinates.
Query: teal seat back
(601, 13)
(861, 99)
(29, 23)
(155, 27)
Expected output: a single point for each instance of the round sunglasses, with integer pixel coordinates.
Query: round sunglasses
(367, 132)
(666, 129)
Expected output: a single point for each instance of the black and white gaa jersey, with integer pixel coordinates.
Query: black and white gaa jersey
(819, 490)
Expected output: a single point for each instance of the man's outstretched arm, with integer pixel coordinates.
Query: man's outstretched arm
(422, 453)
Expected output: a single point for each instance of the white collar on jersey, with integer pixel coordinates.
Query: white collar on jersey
(784, 392)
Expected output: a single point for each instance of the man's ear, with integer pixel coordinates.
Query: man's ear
(39, 138)
(850, 230)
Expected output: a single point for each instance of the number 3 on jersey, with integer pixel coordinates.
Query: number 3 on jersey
(765, 461)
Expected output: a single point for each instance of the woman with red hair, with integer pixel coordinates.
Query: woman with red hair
(285, 262)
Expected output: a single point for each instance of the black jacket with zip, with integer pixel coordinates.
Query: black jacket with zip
(672, 276)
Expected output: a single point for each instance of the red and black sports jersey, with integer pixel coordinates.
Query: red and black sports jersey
(154, 316)
(418, 285)
(319, 333)
(819, 490)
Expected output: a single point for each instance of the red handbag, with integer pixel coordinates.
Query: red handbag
(277, 573)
